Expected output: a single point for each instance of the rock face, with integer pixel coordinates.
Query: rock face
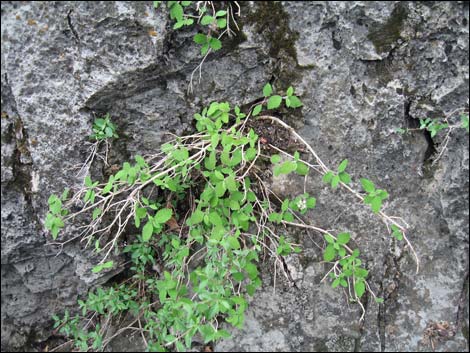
(362, 70)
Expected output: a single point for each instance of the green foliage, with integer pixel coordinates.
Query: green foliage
(194, 259)
(334, 179)
(184, 14)
(275, 101)
(103, 129)
(464, 122)
(375, 196)
(290, 166)
(432, 125)
(54, 219)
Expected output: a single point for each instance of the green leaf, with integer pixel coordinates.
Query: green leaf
(197, 217)
(327, 177)
(285, 205)
(329, 253)
(96, 213)
(233, 242)
(367, 185)
(220, 189)
(311, 202)
(295, 102)
(215, 219)
(275, 158)
(238, 276)
(335, 181)
(376, 204)
(344, 177)
(215, 44)
(396, 232)
(257, 109)
(163, 215)
(290, 91)
(285, 168)
(220, 13)
(251, 153)
(361, 273)
(230, 183)
(379, 300)
(101, 267)
(176, 12)
(343, 238)
(267, 90)
(211, 161)
(359, 288)
(274, 102)
(178, 25)
(302, 168)
(221, 23)
(180, 154)
(336, 283)
(207, 20)
(200, 38)
(147, 231)
(329, 239)
(251, 270)
(464, 122)
(88, 182)
(342, 166)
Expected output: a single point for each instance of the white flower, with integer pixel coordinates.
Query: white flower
(302, 204)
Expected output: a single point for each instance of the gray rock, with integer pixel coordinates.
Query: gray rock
(362, 69)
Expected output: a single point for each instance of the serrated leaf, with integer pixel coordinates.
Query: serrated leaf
(274, 102)
(302, 169)
(200, 38)
(311, 202)
(361, 273)
(290, 91)
(176, 12)
(343, 238)
(215, 44)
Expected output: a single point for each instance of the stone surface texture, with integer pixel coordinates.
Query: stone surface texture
(362, 69)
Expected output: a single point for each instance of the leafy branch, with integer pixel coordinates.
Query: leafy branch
(201, 214)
